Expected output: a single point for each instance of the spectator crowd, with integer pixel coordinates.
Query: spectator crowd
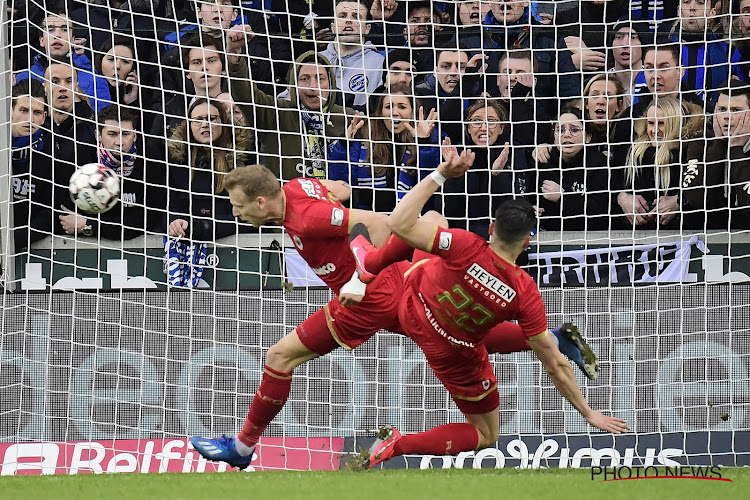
(605, 114)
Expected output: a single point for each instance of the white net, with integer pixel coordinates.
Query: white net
(124, 333)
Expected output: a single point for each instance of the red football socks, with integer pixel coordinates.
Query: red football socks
(448, 439)
(505, 338)
(393, 250)
(267, 403)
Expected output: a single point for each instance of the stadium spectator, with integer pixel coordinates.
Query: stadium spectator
(297, 134)
(604, 98)
(57, 41)
(388, 19)
(572, 186)
(399, 67)
(403, 148)
(31, 162)
(508, 25)
(456, 79)
(355, 62)
(740, 35)
(717, 190)
(627, 40)
(663, 72)
(530, 123)
(650, 195)
(117, 136)
(117, 63)
(72, 129)
(470, 200)
(134, 19)
(204, 65)
(202, 150)
(585, 24)
(423, 20)
(708, 59)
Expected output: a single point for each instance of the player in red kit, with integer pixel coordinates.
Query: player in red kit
(451, 303)
(319, 227)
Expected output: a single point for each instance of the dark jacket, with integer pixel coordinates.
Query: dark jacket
(450, 107)
(73, 145)
(716, 192)
(31, 159)
(644, 184)
(585, 203)
(134, 215)
(470, 200)
(192, 192)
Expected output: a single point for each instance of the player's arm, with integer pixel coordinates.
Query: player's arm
(404, 221)
(339, 189)
(561, 374)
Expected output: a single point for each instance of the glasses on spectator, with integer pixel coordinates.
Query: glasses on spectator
(573, 129)
(476, 124)
(198, 120)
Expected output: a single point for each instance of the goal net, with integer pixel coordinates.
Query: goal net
(124, 333)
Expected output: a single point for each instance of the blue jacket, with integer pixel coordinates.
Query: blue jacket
(709, 63)
(95, 86)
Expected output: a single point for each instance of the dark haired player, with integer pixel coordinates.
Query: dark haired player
(449, 304)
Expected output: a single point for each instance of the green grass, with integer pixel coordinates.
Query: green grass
(487, 484)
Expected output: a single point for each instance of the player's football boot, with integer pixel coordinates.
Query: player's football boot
(382, 449)
(572, 344)
(359, 242)
(221, 450)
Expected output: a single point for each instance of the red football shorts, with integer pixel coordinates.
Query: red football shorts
(336, 325)
(465, 371)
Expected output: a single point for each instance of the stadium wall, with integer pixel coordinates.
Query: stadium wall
(107, 367)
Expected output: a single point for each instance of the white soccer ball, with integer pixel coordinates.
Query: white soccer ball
(94, 188)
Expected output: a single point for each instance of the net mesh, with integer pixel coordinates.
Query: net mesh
(119, 339)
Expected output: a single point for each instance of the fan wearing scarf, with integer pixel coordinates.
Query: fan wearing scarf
(31, 164)
(303, 130)
(202, 150)
(117, 134)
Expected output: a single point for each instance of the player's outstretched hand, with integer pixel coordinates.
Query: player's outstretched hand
(608, 424)
(454, 164)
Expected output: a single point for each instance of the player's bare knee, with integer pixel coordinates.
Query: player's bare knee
(280, 358)
(434, 217)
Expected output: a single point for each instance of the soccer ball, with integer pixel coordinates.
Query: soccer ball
(94, 188)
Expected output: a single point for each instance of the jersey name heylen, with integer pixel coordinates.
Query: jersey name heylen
(491, 281)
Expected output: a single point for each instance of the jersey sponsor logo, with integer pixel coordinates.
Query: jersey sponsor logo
(489, 280)
(444, 243)
(358, 83)
(325, 269)
(309, 188)
(337, 217)
(297, 242)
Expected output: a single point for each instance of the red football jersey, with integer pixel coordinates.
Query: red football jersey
(319, 228)
(470, 289)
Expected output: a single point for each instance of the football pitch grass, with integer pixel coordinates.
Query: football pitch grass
(379, 484)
